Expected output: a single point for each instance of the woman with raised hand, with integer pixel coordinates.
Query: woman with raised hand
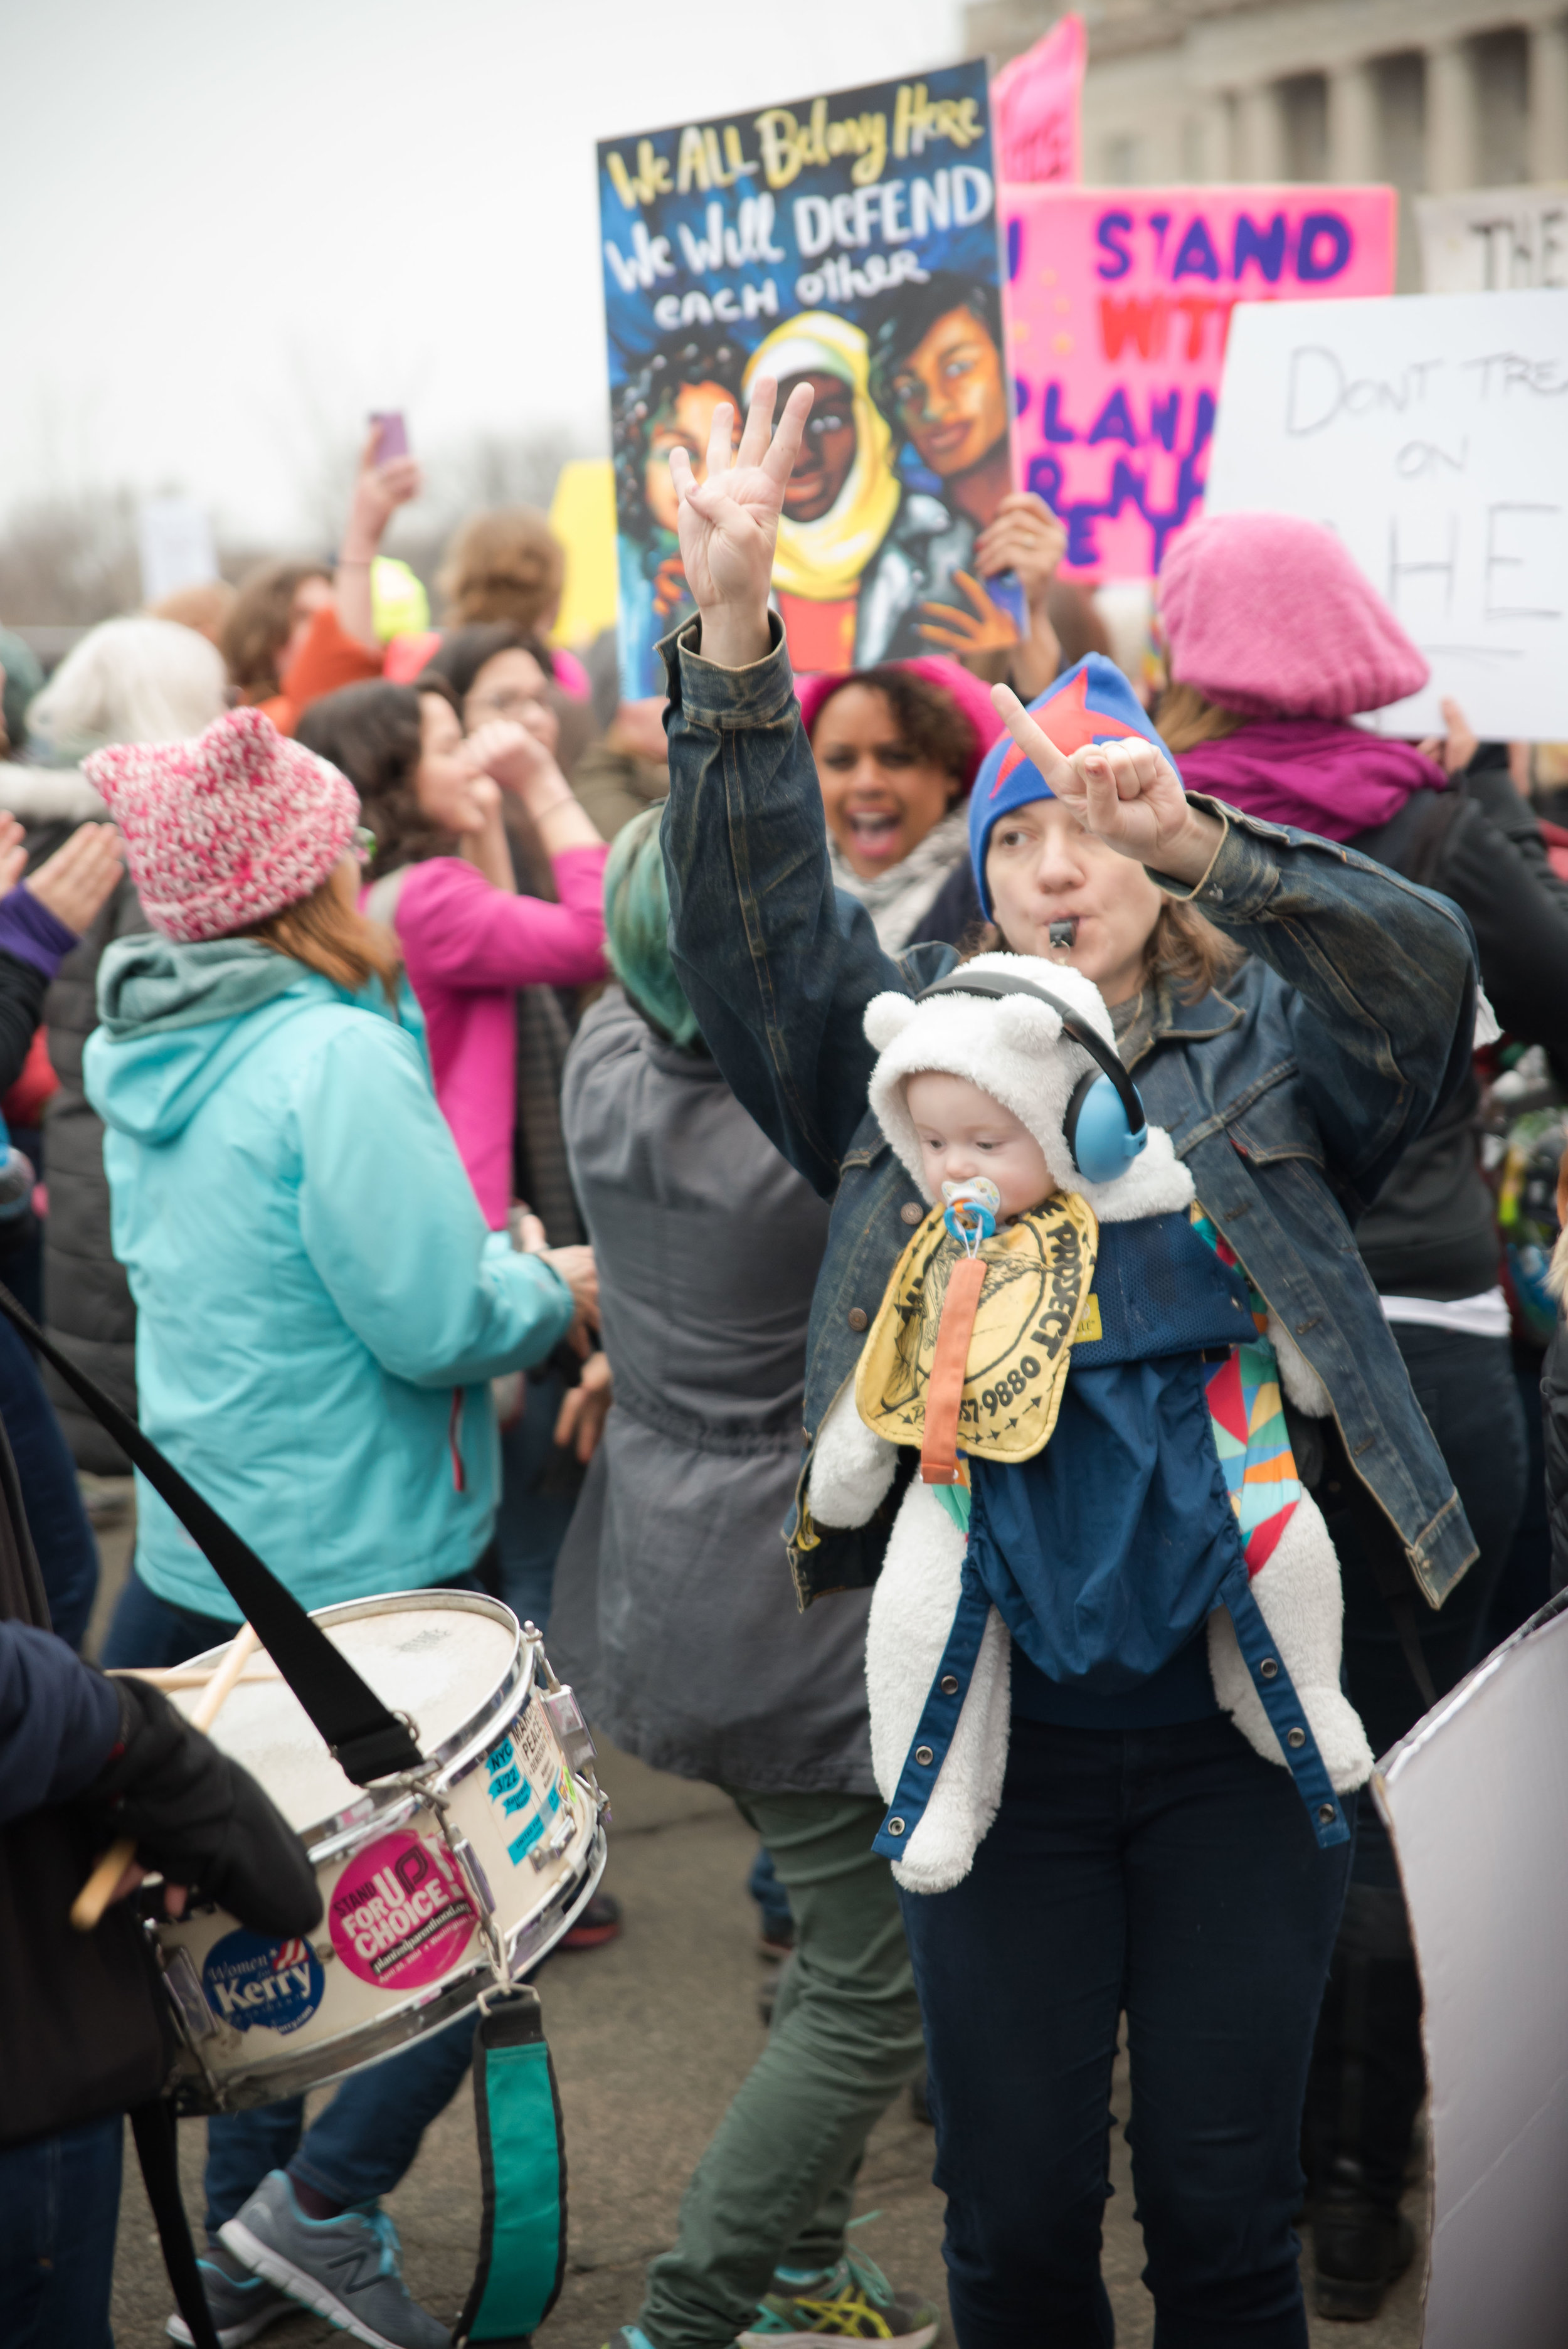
(440, 874)
(1143, 1855)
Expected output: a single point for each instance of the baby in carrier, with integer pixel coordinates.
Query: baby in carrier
(1106, 1526)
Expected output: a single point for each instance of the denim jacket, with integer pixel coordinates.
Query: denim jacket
(1291, 1095)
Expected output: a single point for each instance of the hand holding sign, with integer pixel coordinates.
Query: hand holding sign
(728, 523)
(1127, 794)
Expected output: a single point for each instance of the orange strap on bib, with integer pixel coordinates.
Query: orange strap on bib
(949, 1368)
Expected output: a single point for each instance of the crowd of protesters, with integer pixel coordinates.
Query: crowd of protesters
(559, 1081)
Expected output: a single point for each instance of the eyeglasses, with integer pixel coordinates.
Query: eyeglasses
(362, 843)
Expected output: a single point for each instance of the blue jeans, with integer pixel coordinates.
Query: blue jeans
(539, 1489)
(1171, 1874)
(364, 2142)
(146, 1630)
(60, 2207)
(68, 1553)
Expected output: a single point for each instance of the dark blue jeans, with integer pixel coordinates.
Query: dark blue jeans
(540, 1485)
(1171, 1874)
(364, 2142)
(60, 2207)
(68, 1553)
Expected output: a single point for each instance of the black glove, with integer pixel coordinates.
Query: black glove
(199, 1818)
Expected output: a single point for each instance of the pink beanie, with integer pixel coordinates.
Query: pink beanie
(1267, 615)
(974, 698)
(224, 830)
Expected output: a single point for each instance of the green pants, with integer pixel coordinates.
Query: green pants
(775, 2187)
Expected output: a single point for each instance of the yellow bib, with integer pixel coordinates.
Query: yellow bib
(1038, 1272)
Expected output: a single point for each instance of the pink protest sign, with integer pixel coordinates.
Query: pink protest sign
(1118, 304)
(1035, 107)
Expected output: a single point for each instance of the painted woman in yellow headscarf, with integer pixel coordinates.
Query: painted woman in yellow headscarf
(843, 493)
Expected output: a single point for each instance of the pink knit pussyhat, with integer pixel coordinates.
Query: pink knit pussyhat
(222, 830)
(1267, 615)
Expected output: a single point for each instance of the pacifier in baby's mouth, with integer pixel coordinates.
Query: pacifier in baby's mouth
(972, 1209)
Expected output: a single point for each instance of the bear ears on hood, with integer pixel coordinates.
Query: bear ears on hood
(1019, 1019)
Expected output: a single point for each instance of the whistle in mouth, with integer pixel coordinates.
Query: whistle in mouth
(1063, 933)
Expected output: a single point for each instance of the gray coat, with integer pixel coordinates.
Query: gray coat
(695, 1657)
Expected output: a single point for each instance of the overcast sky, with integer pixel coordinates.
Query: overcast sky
(230, 230)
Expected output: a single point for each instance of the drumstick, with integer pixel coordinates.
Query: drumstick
(188, 1676)
(97, 1891)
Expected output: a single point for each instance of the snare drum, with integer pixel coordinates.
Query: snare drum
(433, 1884)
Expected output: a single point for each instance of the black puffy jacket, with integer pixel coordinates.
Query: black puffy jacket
(1432, 1230)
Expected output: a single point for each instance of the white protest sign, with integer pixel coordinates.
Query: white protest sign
(175, 541)
(1431, 431)
(1476, 1801)
(1493, 240)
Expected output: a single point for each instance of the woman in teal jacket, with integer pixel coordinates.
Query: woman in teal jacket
(320, 1306)
(320, 1309)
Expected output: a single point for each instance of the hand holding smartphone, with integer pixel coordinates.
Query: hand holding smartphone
(391, 434)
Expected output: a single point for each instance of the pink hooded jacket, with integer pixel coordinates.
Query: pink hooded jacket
(467, 947)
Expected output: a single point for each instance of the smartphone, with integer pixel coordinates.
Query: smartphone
(391, 434)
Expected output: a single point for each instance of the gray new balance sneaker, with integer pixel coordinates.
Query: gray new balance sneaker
(240, 2304)
(348, 2269)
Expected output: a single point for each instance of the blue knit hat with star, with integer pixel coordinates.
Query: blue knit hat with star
(1090, 702)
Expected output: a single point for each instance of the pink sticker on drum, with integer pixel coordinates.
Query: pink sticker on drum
(401, 1916)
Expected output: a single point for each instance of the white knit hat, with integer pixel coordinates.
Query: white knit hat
(1013, 1048)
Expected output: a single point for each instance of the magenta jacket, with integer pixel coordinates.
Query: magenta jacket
(467, 947)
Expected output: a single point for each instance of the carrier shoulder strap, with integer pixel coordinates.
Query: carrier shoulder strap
(366, 1740)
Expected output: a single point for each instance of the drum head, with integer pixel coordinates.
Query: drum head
(442, 1657)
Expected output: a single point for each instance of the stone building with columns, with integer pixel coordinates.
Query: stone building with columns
(1432, 95)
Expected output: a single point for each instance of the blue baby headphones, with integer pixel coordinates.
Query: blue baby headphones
(1105, 1127)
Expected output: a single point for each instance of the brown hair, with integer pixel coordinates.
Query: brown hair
(329, 935)
(258, 624)
(206, 608)
(929, 720)
(1186, 718)
(459, 657)
(506, 565)
(372, 734)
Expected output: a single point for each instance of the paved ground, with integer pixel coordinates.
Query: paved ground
(651, 2037)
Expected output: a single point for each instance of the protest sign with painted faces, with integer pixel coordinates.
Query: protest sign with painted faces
(1119, 302)
(847, 240)
(1431, 434)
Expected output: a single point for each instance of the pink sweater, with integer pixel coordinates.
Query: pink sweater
(467, 947)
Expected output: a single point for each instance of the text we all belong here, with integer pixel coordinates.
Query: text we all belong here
(835, 246)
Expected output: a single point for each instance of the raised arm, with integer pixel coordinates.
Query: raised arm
(1384, 973)
(778, 967)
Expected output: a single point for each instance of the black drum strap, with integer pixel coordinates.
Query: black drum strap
(157, 2148)
(366, 1740)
